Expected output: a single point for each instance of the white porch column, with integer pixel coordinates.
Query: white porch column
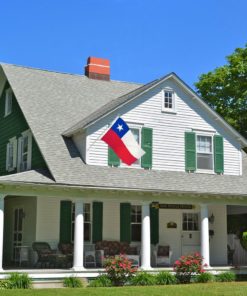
(205, 235)
(145, 242)
(78, 236)
(1, 229)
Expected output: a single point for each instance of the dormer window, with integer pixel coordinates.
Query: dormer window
(168, 101)
(8, 101)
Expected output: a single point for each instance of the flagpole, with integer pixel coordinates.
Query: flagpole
(109, 125)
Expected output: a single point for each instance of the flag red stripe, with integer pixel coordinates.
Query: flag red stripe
(117, 145)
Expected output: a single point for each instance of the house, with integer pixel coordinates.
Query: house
(60, 183)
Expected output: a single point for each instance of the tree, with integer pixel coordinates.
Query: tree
(225, 89)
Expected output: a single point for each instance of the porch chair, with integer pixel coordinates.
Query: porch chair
(161, 256)
(46, 256)
(67, 249)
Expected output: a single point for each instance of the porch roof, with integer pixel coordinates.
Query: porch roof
(141, 180)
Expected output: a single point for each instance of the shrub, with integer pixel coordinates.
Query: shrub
(19, 281)
(226, 277)
(4, 284)
(165, 278)
(119, 270)
(101, 281)
(72, 282)
(188, 265)
(205, 277)
(243, 240)
(143, 279)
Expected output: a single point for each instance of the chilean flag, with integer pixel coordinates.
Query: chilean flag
(120, 138)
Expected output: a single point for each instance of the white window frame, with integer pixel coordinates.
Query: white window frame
(136, 164)
(198, 221)
(174, 107)
(136, 223)
(210, 135)
(85, 221)
(27, 134)
(8, 101)
(12, 142)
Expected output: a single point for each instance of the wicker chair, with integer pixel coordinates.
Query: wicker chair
(46, 256)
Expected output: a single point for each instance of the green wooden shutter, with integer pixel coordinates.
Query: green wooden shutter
(65, 221)
(190, 151)
(113, 159)
(125, 222)
(154, 221)
(218, 154)
(97, 221)
(147, 146)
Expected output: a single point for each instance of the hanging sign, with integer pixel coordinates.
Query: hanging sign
(172, 206)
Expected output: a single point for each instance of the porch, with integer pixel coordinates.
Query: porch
(185, 225)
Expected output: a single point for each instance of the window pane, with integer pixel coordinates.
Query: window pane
(87, 231)
(205, 161)
(11, 155)
(136, 232)
(16, 219)
(168, 100)
(25, 145)
(136, 134)
(204, 144)
(190, 221)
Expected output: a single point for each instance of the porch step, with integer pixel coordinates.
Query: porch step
(54, 283)
(47, 284)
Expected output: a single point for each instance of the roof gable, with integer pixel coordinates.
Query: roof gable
(125, 99)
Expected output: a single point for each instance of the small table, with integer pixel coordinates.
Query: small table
(135, 260)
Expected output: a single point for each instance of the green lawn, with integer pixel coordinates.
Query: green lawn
(236, 288)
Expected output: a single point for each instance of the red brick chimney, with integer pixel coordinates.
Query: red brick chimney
(98, 68)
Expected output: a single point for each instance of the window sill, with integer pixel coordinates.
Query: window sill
(171, 111)
(200, 171)
(6, 115)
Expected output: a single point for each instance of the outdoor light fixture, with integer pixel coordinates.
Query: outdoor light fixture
(211, 219)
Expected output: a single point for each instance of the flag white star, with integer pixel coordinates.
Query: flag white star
(120, 127)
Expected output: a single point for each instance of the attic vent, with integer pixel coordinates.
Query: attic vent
(98, 68)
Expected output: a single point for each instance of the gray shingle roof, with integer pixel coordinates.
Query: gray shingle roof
(143, 180)
(50, 102)
(33, 176)
(109, 107)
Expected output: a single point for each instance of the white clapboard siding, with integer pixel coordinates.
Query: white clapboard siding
(168, 130)
(48, 219)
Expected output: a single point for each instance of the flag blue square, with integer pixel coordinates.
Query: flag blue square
(120, 127)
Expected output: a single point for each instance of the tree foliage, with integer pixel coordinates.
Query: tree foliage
(225, 89)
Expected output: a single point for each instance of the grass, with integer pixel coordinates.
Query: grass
(225, 289)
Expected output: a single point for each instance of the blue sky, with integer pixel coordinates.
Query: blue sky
(143, 39)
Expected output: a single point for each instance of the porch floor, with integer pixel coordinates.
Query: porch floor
(56, 274)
